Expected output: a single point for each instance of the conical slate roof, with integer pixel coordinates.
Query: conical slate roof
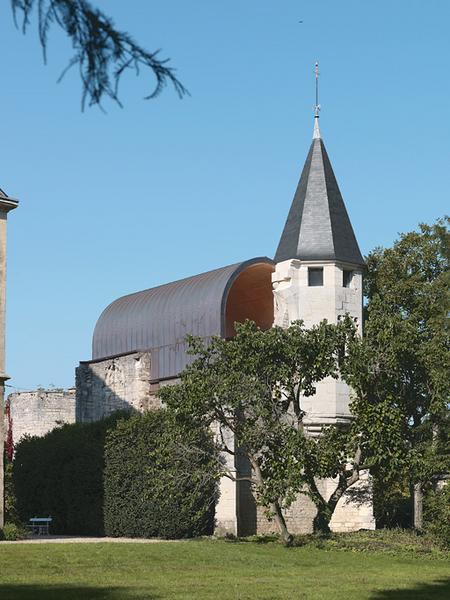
(318, 226)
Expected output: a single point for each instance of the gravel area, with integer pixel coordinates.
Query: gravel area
(67, 539)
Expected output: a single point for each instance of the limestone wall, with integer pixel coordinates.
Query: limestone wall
(351, 514)
(40, 411)
(118, 383)
(295, 299)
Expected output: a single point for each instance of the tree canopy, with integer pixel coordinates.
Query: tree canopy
(251, 388)
(407, 344)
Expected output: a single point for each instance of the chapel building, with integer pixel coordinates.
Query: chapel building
(139, 339)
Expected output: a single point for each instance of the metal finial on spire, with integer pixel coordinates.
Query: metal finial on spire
(316, 134)
(317, 105)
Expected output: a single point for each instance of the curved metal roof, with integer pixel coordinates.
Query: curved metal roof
(160, 318)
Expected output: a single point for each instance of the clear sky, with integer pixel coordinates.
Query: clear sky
(163, 189)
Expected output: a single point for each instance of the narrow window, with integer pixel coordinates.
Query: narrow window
(315, 276)
(347, 277)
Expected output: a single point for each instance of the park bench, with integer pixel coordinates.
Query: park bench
(40, 525)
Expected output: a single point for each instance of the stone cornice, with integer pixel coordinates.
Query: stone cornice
(7, 204)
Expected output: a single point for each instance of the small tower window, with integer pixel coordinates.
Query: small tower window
(315, 276)
(347, 277)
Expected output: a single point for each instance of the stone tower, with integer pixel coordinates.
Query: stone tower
(6, 204)
(317, 276)
(318, 271)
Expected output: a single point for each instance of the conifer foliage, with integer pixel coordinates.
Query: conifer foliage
(101, 52)
(126, 475)
(160, 478)
(61, 475)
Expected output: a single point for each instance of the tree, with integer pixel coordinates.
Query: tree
(102, 53)
(407, 348)
(251, 388)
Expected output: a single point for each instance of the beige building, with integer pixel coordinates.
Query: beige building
(6, 204)
(138, 342)
(139, 339)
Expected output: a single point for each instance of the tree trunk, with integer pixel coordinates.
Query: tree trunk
(274, 507)
(418, 506)
(281, 523)
(321, 522)
(325, 510)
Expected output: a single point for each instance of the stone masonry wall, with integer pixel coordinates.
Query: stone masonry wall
(350, 514)
(118, 383)
(40, 411)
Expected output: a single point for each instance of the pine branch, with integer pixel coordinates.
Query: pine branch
(101, 52)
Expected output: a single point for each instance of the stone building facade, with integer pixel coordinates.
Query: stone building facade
(37, 412)
(7, 204)
(138, 342)
(139, 339)
(117, 383)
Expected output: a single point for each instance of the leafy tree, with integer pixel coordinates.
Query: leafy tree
(251, 388)
(101, 52)
(406, 351)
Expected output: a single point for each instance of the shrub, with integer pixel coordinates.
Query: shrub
(61, 475)
(437, 514)
(160, 478)
(12, 532)
(392, 503)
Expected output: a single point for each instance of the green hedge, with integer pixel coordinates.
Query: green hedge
(437, 514)
(61, 474)
(160, 478)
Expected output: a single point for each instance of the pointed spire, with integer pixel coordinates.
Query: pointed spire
(318, 226)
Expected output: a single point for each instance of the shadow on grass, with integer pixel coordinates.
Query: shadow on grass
(435, 590)
(71, 592)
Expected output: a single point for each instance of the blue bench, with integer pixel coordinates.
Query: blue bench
(40, 525)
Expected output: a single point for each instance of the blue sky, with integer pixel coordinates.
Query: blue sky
(163, 189)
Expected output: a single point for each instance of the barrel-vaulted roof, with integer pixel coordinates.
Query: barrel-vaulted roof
(158, 319)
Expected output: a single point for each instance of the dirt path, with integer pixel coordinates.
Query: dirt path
(66, 539)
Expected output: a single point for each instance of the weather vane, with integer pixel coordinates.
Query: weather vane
(317, 105)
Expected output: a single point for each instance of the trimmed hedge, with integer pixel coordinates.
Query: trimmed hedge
(61, 474)
(160, 478)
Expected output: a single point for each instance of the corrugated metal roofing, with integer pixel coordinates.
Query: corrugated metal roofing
(160, 318)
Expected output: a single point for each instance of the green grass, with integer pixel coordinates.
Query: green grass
(219, 570)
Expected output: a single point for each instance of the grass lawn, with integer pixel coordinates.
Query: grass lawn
(216, 570)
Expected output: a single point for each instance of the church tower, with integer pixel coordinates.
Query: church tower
(319, 269)
(6, 204)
